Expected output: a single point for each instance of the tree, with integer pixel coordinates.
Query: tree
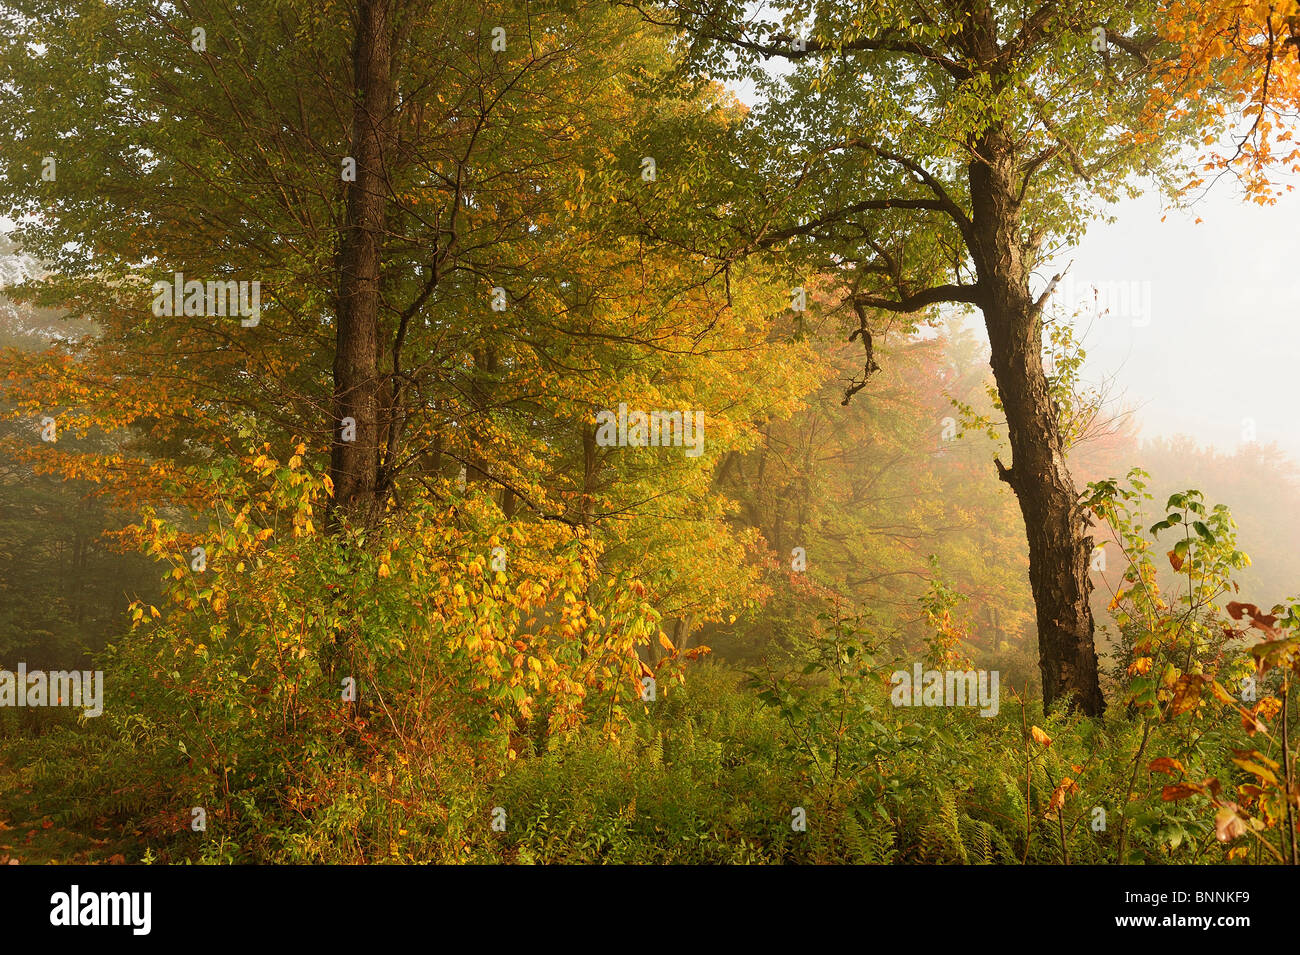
(62, 585)
(440, 204)
(355, 460)
(934, 153)
(872, 491)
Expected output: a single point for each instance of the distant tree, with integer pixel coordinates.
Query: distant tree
(869, 492)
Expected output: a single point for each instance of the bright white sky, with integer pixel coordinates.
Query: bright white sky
(1222, 343)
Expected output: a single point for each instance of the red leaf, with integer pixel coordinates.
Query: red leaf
(1236, 609)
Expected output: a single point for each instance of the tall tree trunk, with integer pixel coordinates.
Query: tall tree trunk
(682, 631)
(358, 387)
(590, 472)
(1058, 550)
(482, 392)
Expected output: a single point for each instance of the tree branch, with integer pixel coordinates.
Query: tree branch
(783, 45)
(969, 294)
(1004, 473)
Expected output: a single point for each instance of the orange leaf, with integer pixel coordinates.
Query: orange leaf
(1057, 801)
(1221, 694)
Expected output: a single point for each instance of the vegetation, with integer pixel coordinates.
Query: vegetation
(580, 455)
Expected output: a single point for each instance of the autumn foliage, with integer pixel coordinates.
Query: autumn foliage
(382, 649)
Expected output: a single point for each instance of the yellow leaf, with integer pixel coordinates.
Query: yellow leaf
(1140, 665)
(1257, 770)
(1039, 736)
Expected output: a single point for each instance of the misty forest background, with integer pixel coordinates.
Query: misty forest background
(846, 277)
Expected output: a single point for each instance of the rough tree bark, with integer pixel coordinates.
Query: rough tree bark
(358, 384)
(1058, 549)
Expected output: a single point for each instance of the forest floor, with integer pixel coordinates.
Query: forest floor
(30, 836)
